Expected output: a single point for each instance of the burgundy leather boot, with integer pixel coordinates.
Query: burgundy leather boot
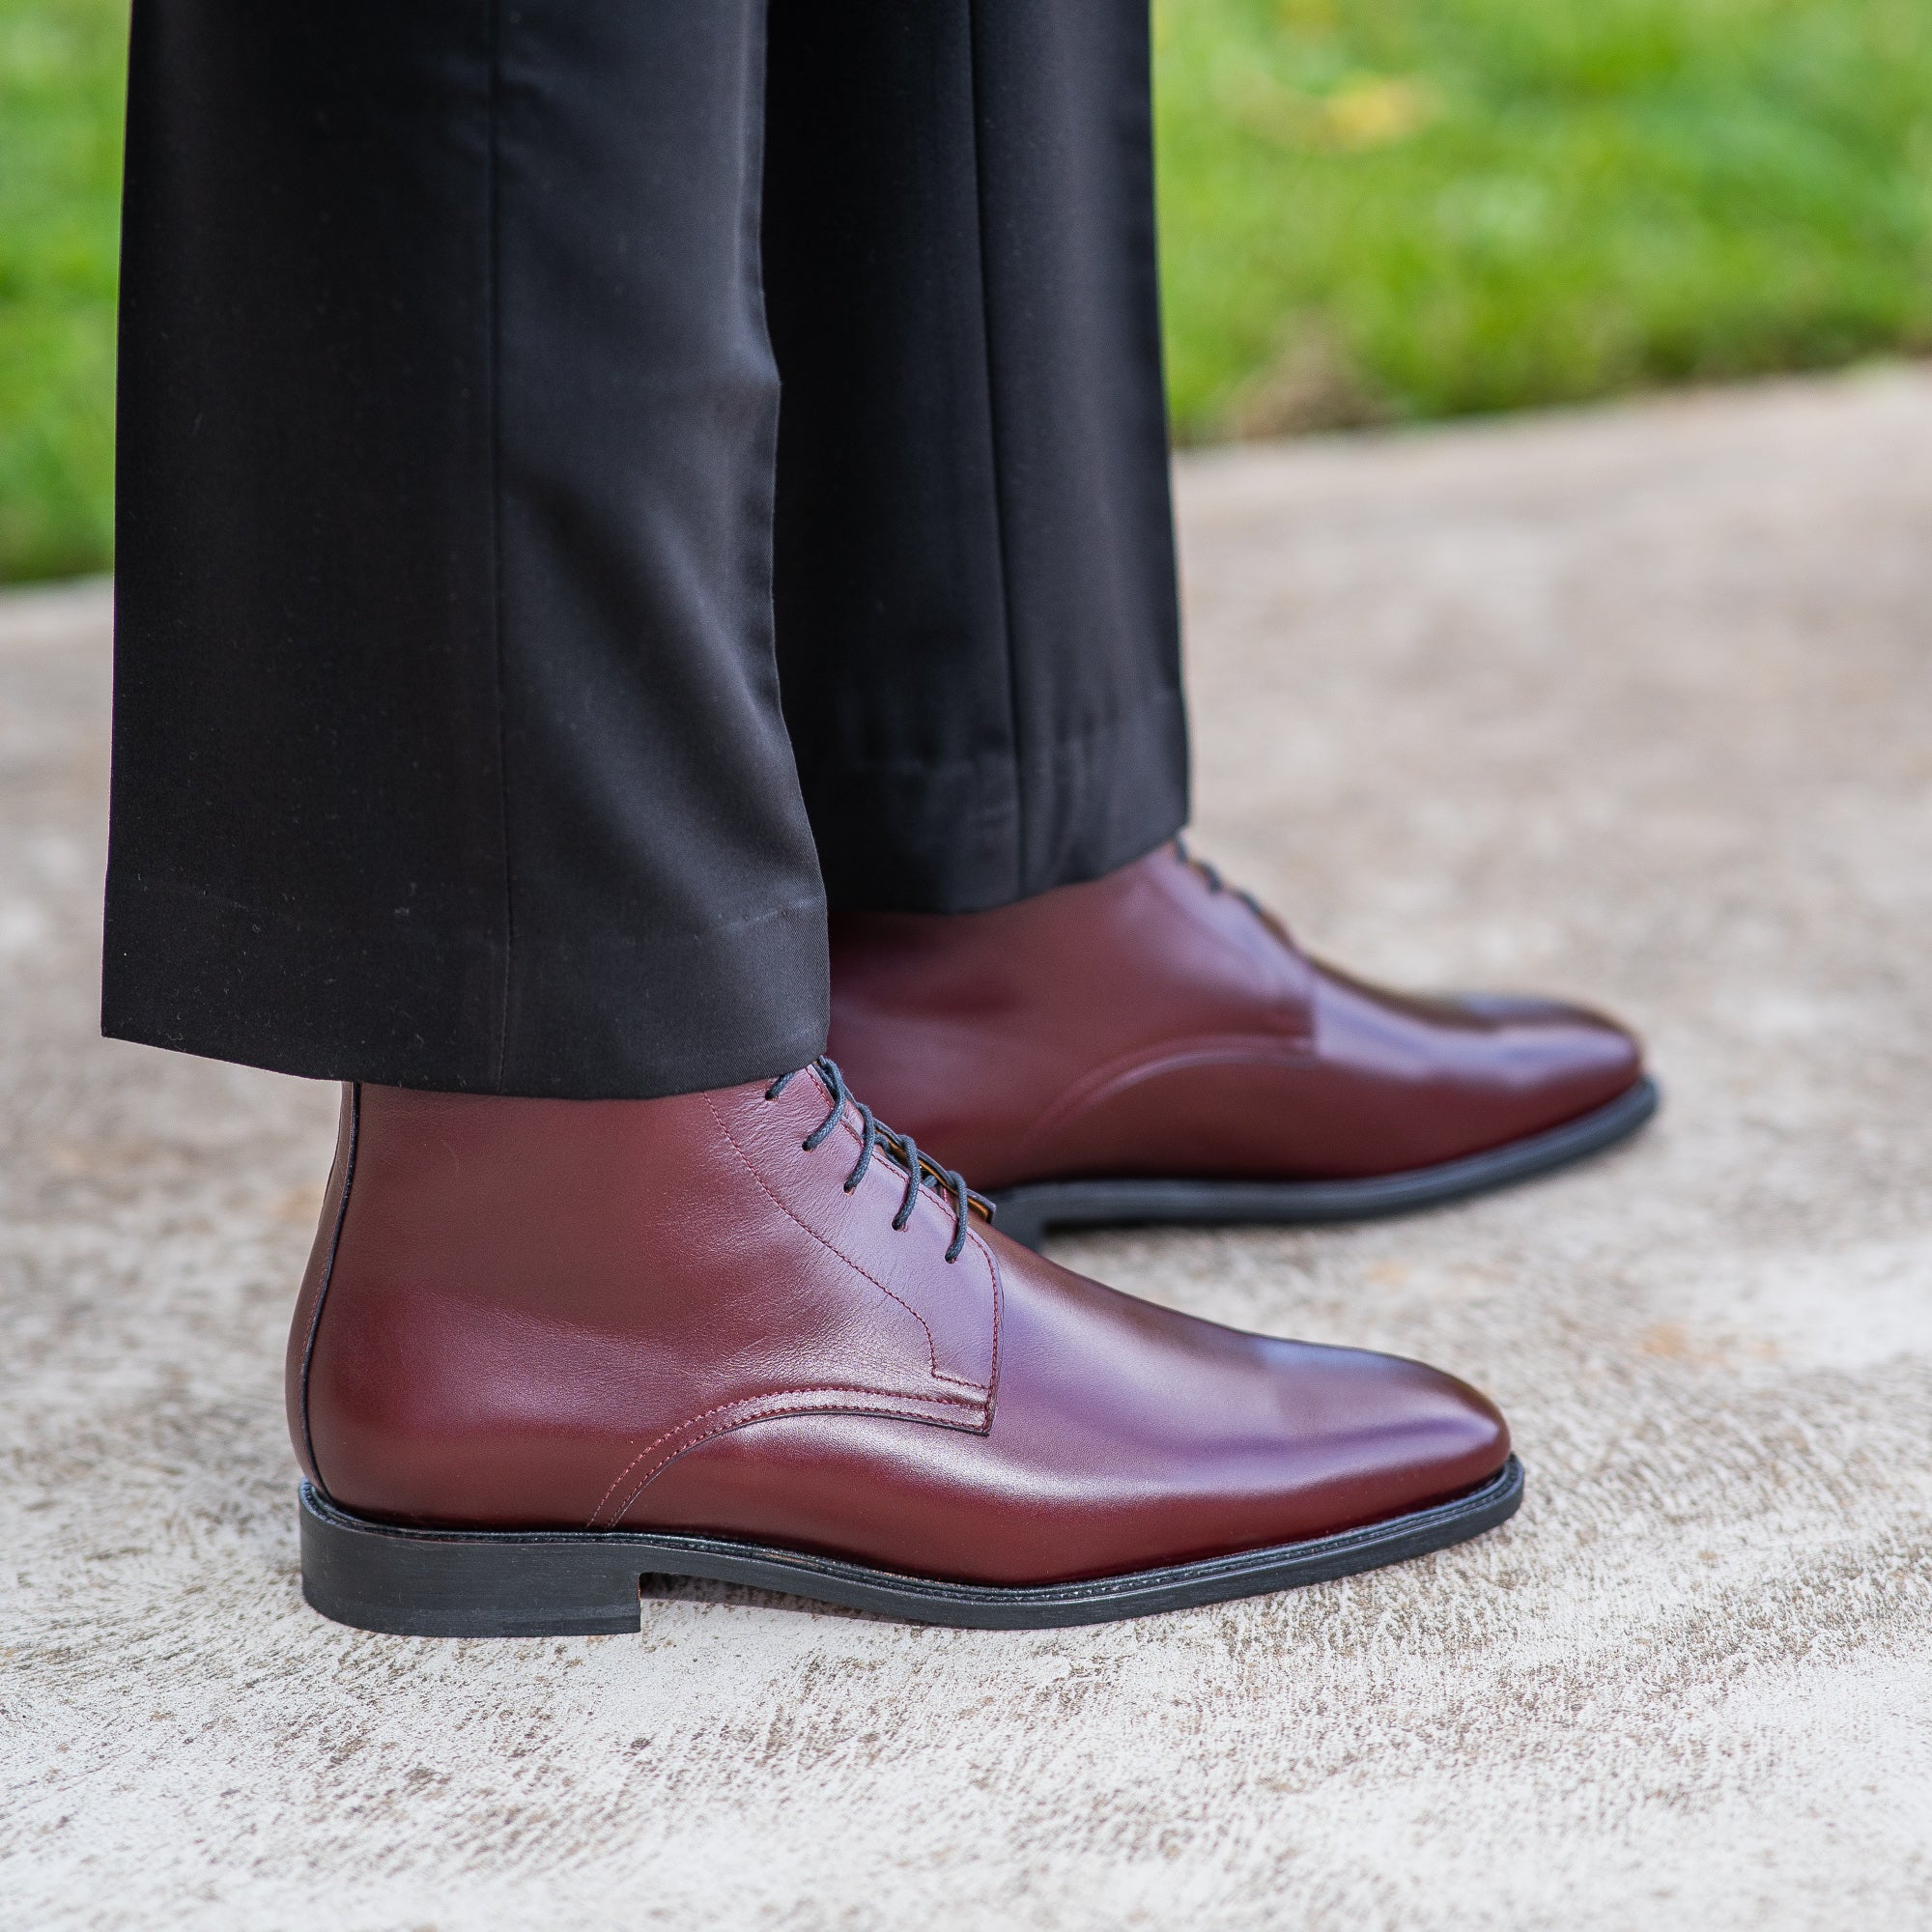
(1153, 1046)
(544, 1347)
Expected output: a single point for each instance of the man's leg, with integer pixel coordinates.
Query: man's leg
(977, 629)
(977, 640)
(449, 761)
(448, 751)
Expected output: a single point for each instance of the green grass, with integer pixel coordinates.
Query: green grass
(61, 75)
(1404, 208)
(1372, 209)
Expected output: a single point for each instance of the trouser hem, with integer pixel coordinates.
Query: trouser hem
(615, 1015)
(976, 834)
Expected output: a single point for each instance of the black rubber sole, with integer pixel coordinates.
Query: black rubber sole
(451, 1582)
(1026, 1213)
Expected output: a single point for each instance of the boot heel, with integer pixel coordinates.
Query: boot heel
(427, 1583)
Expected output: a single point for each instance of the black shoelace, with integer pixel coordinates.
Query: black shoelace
(900, 1149)
(1217, 884)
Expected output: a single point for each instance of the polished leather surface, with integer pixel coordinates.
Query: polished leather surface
(667, 1314)
(1153, 1023)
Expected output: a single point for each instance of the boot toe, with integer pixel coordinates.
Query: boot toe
(1375, 1435)
(1409, 1082)
(1571, 1059)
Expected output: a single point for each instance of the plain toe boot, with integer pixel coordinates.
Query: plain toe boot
(546, 1347)
(1153, 1046)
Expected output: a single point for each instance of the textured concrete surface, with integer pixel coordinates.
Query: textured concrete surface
(1631, 705)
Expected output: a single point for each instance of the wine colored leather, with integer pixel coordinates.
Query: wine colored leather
(1154, 1023)
(667, 1314)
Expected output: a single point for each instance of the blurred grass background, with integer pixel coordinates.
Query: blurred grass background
(1373, 210)
(1380, 209)
(60, 73)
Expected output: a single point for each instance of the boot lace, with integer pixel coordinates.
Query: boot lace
(1217, 884)
(921, 1170)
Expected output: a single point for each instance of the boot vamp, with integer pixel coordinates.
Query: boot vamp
(1388, 1083)
(1151, 1024)
(1124, 1436)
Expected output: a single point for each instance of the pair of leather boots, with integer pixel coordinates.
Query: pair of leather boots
(546, 1347)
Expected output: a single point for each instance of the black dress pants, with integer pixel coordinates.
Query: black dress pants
(601, 479)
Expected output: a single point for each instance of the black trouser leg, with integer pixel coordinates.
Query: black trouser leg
(448, 744)
(975, 594)
(448, 749)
